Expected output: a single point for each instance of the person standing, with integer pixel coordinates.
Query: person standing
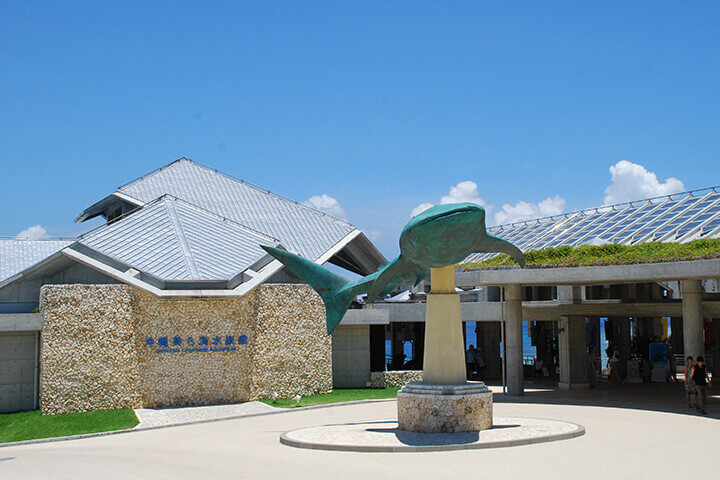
(614, 364)
(480, 363)
(470, 361)
(538, 367)
(702, 382)
(690, 390)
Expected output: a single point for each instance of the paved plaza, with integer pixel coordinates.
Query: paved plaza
(652, 440)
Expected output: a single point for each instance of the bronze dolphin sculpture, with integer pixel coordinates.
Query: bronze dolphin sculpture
(441, 236)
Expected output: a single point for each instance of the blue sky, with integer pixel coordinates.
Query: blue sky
(382, 106)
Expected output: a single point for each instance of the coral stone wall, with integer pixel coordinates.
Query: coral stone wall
(113, 346)
(190, 352)
(394, 378)
(293, 352)
(89, 359)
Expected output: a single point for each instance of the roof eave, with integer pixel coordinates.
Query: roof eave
(97, 208)
(32, 268)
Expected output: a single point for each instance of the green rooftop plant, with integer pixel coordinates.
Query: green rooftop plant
(609, 254)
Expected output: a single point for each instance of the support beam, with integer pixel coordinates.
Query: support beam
(513, 349)
(611, 274)
(535, 311)
(692, 318)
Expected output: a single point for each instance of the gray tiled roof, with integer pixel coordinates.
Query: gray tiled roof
(680, 217)
(17, 254)
(300, 228)
(174, 240)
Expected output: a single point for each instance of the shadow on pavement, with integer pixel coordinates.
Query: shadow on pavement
(659, 397)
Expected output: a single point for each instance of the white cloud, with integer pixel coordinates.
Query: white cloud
(420, 208)
(33, 232)
(631, 181)
(327, 204)
(465, 191)
(526, 211)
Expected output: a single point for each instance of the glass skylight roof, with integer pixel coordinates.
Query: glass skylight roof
(681, 217)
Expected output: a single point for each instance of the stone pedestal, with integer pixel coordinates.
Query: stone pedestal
(444, 402)
(429, 408)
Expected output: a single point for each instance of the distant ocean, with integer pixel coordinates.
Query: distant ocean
(528, 349)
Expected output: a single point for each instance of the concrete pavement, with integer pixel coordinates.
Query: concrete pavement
(619, 443)
(155, 417)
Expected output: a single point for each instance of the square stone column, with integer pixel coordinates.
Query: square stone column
(692, 318)
(572, 345)
(513, 348)
(716, 348)
(444, 356)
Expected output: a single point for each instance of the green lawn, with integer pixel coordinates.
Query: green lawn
(610, 254)
(30, 425)
(339, 395)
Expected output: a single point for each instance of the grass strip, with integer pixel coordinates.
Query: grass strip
(338, 395)
(15, 427)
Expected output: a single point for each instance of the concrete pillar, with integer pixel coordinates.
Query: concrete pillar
(513, 348)
(624, 343)
(692, 318)
(716, 348)
(544, 346)
(351, 356)
(676, 339)
(444, 356)
(594, 353)
(489, 340)
(572, 343)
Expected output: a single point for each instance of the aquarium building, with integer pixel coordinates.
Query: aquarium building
(171, 301)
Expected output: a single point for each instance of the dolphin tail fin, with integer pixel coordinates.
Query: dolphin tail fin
(493, 244)
(332, 288)
(398, 272)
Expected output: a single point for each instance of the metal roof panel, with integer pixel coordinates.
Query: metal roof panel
(18, 254)
(679, 217)
(176, 241)
(300, 228)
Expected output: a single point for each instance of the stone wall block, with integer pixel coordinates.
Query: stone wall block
(394, 378)
(293, 352)
(88, 357)
(100, 347)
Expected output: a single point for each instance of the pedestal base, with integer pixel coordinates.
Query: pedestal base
(429, 408)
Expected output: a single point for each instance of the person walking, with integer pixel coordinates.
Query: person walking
(702, 382)
(690, 390)
(672, 370)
